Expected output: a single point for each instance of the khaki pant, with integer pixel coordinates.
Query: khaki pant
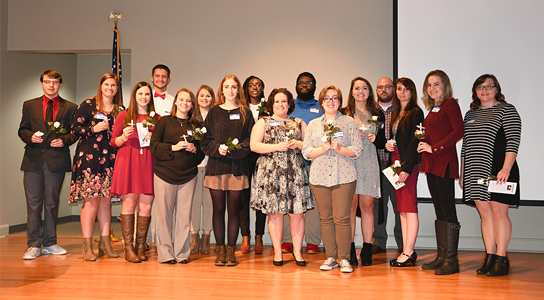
(173, 242)
(334, 210)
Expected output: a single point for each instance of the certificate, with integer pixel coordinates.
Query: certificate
(393, 178)
(142, 131)
(505, 188)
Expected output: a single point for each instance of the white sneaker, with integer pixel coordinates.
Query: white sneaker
(54, 249)
(32, 253)
(345, 266)
(329, 264)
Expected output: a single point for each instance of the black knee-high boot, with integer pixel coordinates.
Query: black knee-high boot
(440, 231)
(451, 263)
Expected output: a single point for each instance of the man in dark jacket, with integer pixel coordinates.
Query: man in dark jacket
(45, 129)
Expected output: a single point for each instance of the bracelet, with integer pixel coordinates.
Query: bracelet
(123, 138)
(509, 170)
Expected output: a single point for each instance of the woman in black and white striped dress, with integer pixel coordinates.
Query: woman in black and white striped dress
(490, 147)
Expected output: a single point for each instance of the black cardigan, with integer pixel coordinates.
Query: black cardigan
(219, 128)
(407, 142)
(174, 167)
(380, 140)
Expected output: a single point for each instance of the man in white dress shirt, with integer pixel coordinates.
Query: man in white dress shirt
(160, 77)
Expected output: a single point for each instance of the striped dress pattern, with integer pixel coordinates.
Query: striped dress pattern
(489, 134)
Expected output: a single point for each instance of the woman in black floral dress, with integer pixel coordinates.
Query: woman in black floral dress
(281, 183)
(93, 163)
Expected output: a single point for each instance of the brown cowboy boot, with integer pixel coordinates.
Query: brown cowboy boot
(127, 226)
(141, 235)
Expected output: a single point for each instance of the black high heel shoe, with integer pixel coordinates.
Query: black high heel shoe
(300, 263)
(411, 260)
(277, 263)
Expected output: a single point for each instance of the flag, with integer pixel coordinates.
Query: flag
(116, 59)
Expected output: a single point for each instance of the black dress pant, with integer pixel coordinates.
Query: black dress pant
(42, 191)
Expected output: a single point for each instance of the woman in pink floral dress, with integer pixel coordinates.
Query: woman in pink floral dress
(93, 163)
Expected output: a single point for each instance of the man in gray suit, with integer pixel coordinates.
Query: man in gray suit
(45, 129)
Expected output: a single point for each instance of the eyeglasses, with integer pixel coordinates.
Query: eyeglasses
(331, 99)
(305, 83)
(54, 82)
(485, 87)
(254, 86)
(387, 87)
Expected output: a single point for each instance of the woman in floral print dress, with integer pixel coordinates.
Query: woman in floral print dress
(93, 163)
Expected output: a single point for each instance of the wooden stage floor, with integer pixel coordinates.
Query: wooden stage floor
(255, 277)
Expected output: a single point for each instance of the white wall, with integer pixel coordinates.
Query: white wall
(202, 41)
(20, 81)
(467, 39)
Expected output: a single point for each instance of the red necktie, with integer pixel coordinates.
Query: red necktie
(160, 95)
(49, 115)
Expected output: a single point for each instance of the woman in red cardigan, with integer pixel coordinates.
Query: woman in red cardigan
(444, 128)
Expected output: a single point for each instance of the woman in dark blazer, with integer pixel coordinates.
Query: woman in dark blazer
(404, 121)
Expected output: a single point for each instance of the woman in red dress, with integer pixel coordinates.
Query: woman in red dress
(133, 175)
(404, 121)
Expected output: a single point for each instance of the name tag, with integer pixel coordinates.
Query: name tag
(471, 121)
(101, 116)
(235, 116)
(275, 123)
(314, 110)
(339, 134)
(436, 109)
(189, 132)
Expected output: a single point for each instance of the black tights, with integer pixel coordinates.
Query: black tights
(233, 203)
(443, 194)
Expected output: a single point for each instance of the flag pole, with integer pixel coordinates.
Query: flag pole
(116, 69)
(116, 52)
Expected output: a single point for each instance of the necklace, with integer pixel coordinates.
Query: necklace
(486, 106)
(182, 123)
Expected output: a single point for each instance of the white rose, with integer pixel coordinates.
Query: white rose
(223, 146)
(203, 130)
(38, 133)
(152, 114)
(235, 142)
(392, 142)
(291, 132)
(329, 122)
(324, 139)
(374, 118)
(481, 181)
(396, 164)
(56, 124)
